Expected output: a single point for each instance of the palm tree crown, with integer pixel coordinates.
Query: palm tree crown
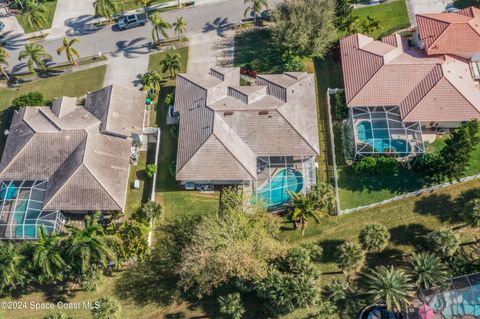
(36, 55)
(47, 258)
(106, 8)
(255, 6)
(34, 14)
(179, 26)
(4, 61)
(12, 272)
(171, 64)
(70, 51)
(151, 81)
(388, 286)
(89, 246)
(427, 270)
(160, 26)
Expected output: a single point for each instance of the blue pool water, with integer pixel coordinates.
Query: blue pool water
(376, 134)
(275, 191)
(458, 303)
(8, 192)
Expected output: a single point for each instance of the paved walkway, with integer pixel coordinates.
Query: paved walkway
(12, 27)
(71, 14)
(425, 6)
(209, 49)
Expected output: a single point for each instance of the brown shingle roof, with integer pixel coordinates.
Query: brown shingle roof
(86, 168)
(224, 127)
(451, 32)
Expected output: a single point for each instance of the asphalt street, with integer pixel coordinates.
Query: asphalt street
(133, 42)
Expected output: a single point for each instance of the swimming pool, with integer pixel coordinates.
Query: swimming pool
(275, 190)
(458, 302)
(376, 134)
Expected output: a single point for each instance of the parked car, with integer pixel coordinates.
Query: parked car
(132, 21)
(2, 26)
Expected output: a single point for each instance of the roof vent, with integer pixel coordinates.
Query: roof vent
(262, 112)
(227, 113)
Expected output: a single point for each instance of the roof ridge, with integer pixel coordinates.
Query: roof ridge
(48, 119)
(439, 36)
(103, 186)
(469, 102)
(293, 126)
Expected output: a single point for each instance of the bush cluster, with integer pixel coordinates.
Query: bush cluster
(371, 165)
(339, 105)
(29, 99)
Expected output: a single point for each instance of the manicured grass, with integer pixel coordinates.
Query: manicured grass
(393, 16)
(409, 221)
(137, 172)
(127, 5)
(50, 7)
(155, 63)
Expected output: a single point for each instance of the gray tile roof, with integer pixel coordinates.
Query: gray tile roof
(121, 110)
(224, 127)
(86, 167)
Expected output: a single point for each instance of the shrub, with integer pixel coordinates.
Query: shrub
(57, 315)
(349, 257)
(428, 164)
(91, 279)
(444, 242)
(347, 142)
(231, 306)
(29, 99)
(374, 237)
(336, 289)
(244, 82)
(150, 170)
(313, 249)
(172, 168)
(148, 211)
(292, 63)
(168, 99)
(230, 199)
(339, 105)
(371, 165)
(108, 308)
(174, 131)
(474, 213)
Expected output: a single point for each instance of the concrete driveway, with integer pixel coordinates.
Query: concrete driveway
(71, 14)
(425, 6)
(12, 27)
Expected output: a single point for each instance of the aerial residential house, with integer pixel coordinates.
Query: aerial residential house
(264, 136)
(67, 158)
(396, 90)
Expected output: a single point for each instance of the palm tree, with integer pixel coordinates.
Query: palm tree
(88, 246)
(374, 237)
(47, 257)
(349, 257)
(474, 213)
(303, 208)
(36, 55)
(70, 51)
(171, 64)
(152, 81)
(160, 26)
(427, 270)
(34, 14)
(144, 4)
(179, 27)
(231, 306)
(337, 289)
(255, 6)
(12, 272)
(444, 242)
(4, 61)
(106, 8)
(388, 286)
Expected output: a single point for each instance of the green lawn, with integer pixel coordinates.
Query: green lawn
(135, 197)
(155, 63)
(50, 7)
(127, 5)
(393, 16)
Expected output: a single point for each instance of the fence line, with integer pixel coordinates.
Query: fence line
(332, 143)
(385, 201)
(154, 179)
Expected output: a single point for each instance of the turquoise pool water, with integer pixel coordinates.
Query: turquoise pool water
(275, 191)
(8, 192)
(376, 134)
(458, 303)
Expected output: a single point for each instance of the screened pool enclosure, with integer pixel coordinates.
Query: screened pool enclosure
(380, 131)
(459, 299)
(279, 175)
(21, 213)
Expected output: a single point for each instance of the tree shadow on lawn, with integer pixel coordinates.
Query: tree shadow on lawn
(329, 248)
(409, 235)
(389, 256)
(446, 208)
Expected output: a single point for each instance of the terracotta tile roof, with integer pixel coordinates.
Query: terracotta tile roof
(224, 127)
(450, 33)
(410, 80)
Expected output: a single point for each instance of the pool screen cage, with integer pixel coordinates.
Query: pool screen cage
(21, 213)
(276, 175)
(460, 298)
(381, 131)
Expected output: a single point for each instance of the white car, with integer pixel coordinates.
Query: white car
(132, 21)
